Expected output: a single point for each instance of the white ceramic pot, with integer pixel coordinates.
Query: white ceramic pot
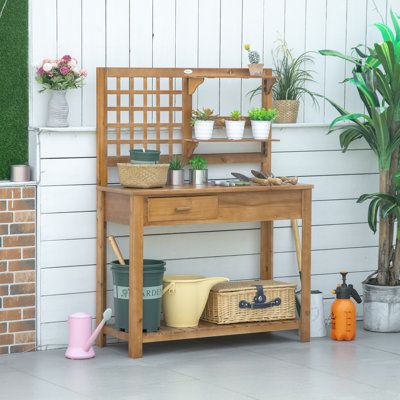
(260, 129)
(234, 129)
(203, 130)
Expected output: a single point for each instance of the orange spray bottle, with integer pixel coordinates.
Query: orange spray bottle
(343, 312)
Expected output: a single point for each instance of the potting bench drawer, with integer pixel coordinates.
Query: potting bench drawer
(182, 208)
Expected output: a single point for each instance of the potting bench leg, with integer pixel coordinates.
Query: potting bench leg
(101, 265)
(266, 250)
(135, 342)
(306, 267)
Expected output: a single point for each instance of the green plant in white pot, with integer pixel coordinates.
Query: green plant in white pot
(203, 122)
(376, 75)
(235, 126)
(261, 120)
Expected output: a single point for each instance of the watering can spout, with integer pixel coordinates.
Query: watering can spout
(106, 316)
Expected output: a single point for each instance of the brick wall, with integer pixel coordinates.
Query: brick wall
(17, 269)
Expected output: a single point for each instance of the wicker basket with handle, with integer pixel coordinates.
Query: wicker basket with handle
(143, 175)
(250, 301)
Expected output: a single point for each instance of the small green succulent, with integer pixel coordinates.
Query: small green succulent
(205, 114)
(262, 114)
(235, 116)
(175, 164)
(198, 163)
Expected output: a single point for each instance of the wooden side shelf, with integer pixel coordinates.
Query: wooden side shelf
(206, 329)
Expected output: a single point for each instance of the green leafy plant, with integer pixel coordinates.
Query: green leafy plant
(235, 116)
(262, 114)
(293, 74)
(376, 75)
(254, 56)
(175, 164)
(198, 163)
(205, 114)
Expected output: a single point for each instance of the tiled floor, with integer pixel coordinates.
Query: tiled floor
(263, 366)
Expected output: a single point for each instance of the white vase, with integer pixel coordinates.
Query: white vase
(57, 113)
(234, 129)
(260, 129)
(203, 130)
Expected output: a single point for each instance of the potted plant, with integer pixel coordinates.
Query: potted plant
(376, 76)
(203, 122)
(58, 76)
(198, 173)
(289, 88)
(176, 172)
(261, 120)
(255, 67)
(235, 126)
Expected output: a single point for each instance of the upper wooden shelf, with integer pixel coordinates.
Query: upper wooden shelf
(224, 140)
(184, 73)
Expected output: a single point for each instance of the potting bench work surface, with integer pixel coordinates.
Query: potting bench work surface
(209, 204)
(262, 366)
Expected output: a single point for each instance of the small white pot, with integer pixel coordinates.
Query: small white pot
(260, 129)
(203, 130)
(234, 129)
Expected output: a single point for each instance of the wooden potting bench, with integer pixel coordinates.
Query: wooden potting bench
(151, 108)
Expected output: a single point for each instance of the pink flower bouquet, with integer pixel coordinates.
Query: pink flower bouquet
(60, 74)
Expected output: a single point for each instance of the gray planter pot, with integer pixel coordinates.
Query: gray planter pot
(57, 114)
(198, 177)
(381, 308)
(175, 177)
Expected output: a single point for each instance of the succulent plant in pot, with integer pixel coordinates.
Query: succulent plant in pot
(198, 172)
(235, 126)
(176, 172)
(203, 122)
(261, 120)
(255, 67)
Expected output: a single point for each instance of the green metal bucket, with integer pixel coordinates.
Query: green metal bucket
(153, 272)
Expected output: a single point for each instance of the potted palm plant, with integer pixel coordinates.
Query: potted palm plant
(376, 75)
(235, 126)
(203, 122)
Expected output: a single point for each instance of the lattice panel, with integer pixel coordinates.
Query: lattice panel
(143, 112)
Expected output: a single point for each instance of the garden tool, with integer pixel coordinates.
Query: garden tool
(116, 250)
(80, 336)
(343, 311)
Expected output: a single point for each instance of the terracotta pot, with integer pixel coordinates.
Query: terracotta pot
(287, 111)
(256, 69)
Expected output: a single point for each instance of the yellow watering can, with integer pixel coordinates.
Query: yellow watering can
(184, 298)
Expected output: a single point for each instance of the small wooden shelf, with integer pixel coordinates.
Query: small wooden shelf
(224, 140)
(206, 329)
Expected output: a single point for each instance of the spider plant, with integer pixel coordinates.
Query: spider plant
(292, 74)
(376, 75)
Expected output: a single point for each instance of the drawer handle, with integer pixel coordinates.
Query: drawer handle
(183, 209)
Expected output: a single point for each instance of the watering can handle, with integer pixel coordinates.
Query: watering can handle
(168, 287)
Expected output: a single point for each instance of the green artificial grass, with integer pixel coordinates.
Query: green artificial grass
(13, 85)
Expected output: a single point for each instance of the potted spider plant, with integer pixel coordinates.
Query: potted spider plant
(198, 172)
(176, 172)
(235, 126)
(293, 74)
(203, 122)
(255, 67)
(261, 120)
(376, 71)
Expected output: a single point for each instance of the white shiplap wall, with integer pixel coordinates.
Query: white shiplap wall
(204, 33)
(66, 241)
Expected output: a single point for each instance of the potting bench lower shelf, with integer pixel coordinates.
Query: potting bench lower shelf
(206, 205)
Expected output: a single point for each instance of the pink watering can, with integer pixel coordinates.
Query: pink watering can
(80, 336)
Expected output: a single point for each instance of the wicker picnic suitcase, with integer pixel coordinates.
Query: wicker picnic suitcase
(250, 301)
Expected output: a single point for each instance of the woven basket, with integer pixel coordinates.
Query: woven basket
(287, 111)
(223, 302)
(143, 175)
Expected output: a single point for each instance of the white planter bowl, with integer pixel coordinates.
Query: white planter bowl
(203, 130)
(234, 129)
(260, 129)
